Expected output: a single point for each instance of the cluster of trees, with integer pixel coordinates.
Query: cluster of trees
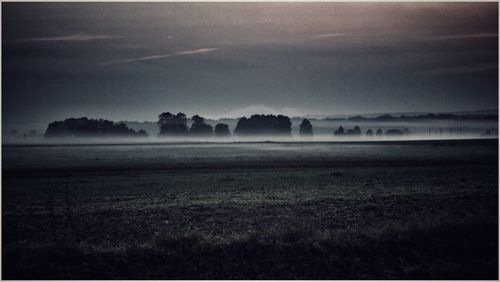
(305, 128)
(199, 127)
(176, 125)
(356, 131)
(84, 127)
(264, 125)
(172, 125)
(222, 130)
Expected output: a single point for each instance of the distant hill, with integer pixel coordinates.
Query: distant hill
(480, 112)
(406, 114)
(419, 117)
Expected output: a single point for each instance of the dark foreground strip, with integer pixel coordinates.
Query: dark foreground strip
(447, 251)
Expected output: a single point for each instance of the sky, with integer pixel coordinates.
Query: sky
(133, 61)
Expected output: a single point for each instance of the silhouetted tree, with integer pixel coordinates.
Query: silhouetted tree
(353, 132)
(142, 133)
(339, 131)
(369, 132)
(284, 125)
(379, 132)
(199, 127)
(222, 130)
(84, 127)
(306, 128)
(172, 125)
(264, 125)
(197, 119)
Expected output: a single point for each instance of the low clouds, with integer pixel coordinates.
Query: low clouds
(160, 56)
(331, 58)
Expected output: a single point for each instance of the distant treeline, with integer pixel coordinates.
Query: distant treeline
(429, 116)
(356, 131)
(277, 125)
(264, 125)
(84, 127)
(176, 125)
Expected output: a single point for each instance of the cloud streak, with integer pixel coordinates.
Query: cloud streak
(464, 36)
(329, 35)
(461, 69)
(73, 37)
(160, 56)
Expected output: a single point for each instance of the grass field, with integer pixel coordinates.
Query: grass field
(385, 210)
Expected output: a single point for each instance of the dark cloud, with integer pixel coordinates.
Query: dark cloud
(128, 61)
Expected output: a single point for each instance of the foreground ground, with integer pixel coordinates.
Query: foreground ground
(240, 211)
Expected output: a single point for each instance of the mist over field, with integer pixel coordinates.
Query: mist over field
(322, 132)
(234, 139)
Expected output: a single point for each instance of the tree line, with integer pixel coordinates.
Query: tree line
(176, 125)
(84, 127)
(356, 131)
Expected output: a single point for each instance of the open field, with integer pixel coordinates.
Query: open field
(367, 210)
